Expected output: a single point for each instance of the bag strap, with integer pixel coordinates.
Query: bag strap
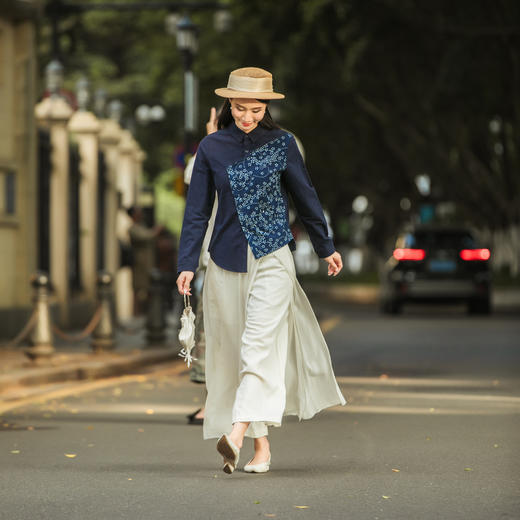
(187, 301)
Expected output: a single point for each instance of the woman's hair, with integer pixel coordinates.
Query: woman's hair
(225, 118)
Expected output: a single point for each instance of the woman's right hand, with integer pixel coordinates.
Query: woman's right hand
(183, 282)
(211, 125)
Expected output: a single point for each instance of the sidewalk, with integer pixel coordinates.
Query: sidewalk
(77, 361)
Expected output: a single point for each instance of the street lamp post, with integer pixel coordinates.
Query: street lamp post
(427, 206)
(187, 44)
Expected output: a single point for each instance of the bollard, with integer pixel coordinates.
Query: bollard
(103, 336)
(156, 319)
(41, 336)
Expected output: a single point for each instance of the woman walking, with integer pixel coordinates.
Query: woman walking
(265, 354)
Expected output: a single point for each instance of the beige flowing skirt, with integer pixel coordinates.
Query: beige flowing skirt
(265, 354)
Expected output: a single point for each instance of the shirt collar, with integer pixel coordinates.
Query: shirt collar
(255, 135)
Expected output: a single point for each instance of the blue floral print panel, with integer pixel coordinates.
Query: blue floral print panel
(262, 210)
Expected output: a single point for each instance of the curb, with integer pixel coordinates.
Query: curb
(94, 369)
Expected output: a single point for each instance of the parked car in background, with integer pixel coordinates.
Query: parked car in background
(437, 264)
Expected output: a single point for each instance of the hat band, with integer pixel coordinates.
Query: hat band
(247, 84)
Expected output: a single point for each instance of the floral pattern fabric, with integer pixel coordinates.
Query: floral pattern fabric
(256, 186)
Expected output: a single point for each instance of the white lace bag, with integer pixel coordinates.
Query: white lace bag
(187, 332)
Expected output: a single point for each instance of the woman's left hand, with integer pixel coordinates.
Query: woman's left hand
(335, 263)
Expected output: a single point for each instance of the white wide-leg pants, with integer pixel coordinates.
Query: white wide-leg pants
(254, 348)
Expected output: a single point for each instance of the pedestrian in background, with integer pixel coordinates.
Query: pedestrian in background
(198, 367)
(166, 254)
(265, 354)
(143, 242)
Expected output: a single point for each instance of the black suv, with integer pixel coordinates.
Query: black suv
(437, 264)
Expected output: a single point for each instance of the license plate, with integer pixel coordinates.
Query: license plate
(442, 266)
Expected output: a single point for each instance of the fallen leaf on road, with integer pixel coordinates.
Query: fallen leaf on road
(140, 430)
(150, 411)
(90, 427)
(383, 376)
(30, 428)
(432, 410)
(71, 455)
(91, 445)
(495, 445)
(428, 438)
(130, 479)
(15, 451)
(256, 502)
(301, 507)
(468, 469)
(396, 470)
(386, 497)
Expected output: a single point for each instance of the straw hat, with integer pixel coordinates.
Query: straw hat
(249, 82)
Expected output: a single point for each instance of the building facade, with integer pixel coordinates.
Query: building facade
(18, 161)
(65, 176)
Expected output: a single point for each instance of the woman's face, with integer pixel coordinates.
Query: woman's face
(247, 113)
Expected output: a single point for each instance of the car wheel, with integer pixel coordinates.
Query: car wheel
(391, 307)
(479, 306)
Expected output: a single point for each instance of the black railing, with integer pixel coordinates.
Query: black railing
(74, 229)
(101, 211)
(44, 178)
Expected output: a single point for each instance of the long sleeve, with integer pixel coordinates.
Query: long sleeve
(306, 200)
(199, 204)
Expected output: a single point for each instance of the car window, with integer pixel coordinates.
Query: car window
(440, 240)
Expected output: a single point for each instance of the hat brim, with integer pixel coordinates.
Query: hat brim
(230, 93)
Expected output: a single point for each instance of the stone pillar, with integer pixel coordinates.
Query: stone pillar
(126, 187)
(126, 181)
(109, 140)
(86, 127)
(54, 112)
(139, 157)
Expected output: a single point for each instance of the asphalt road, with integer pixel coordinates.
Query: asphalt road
(430, 432)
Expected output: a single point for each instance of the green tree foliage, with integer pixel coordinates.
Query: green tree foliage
(379, 91)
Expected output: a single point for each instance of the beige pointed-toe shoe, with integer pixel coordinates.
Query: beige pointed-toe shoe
(227, 448)
(263, 467)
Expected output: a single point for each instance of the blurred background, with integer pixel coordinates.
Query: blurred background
(408, 113)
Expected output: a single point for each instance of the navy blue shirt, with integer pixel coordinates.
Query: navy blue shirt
(251, 174)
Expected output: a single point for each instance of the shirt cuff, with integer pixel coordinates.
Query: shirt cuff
(325, 249)
(184, 267)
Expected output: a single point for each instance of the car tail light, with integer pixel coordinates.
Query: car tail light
(475, 254)
(409, 254)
